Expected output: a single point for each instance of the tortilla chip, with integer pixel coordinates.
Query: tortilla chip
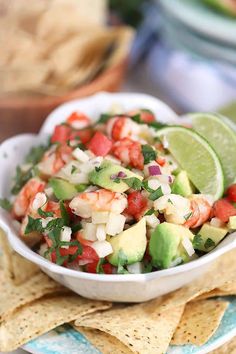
(104, 342)
(42, 316)
(140, 327)
(228, 289)
(199, 322)
(13, 297)
(225, 266)
(16, 268)
(228, 348)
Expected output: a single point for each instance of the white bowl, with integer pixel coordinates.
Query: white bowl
(120, 288)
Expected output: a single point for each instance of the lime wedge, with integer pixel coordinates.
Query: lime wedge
(220, 134)
(197, 157)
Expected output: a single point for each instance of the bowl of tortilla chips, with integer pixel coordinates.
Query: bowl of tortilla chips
(55, 60)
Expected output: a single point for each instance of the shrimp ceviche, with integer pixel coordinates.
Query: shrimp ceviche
(110, 197)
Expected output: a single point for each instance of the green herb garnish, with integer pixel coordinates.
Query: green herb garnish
(73, 169)
(44, 214)
(156, 194)
(5, 204)
(150, 212)
(133, 182)
(122, 261)
(64, 214)
(188, 216)
(197, 241)
(149, 153)
(209, 243)
(35, 155)
(99, 268)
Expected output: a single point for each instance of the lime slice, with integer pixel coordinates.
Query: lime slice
(220, 134)
(197, 157)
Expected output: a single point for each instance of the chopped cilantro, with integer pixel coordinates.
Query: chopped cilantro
(104, 118)
(156, 194)
(147, 268)
(146, 186)
(188, 216)
(116, 180)
(170, 201)
(149, 153)
(73, 169)
(197, 241)
(156, 125)
(36, 154)
(59, 258)
(133, 182)
(209, 243)
(98, 169)
(44, 214)
(137, 118)
(5, 204)
(21, 179)
(76, 227)
(150, 212)
(33, 225)
(99, 268)
(64, 214)
(122, 261)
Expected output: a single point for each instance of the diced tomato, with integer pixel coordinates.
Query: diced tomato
(78, 120)
(53, 207)
(137, 204)
(146, 115)
(161, 161)
(92, 268)
(61, 134)
(118, 127)
(231, 193)
(100, 145)
(223, 209)
(84, 135)
(88, 253)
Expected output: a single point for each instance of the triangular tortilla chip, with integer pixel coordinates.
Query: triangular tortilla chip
(15, 267)
(43, 315)
(12, 297)
(199, 322)
(104, 342)
(228, 348)
(140, 327)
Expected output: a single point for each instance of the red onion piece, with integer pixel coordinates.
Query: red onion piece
(121, 174)
(154, 170)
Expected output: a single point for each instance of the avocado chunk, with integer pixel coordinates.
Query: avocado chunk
(165, 246)
(64, 190)
(105, 175)
(232, 223)
(182, 185)
(131, 242)
(208, 237)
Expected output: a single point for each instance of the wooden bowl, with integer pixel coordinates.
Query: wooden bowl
(26, 114)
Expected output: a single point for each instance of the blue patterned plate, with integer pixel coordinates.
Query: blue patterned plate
(65, 339)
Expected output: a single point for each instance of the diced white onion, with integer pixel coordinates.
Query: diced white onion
(49, 192)
(101, 232)
(42, 249)
(165, 188)
(113, 159)
(100, 217)
(187, 244)
(44, 222)
(115, 224)
(65, 235)
(39, 200)
(165, 142)
(80, 155)
(102, 248)
(152, 221)
(164, 179)
(153, 183)
(215, 222)
(90, 231)
(135, 268)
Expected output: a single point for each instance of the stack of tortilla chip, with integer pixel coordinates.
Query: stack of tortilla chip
(52, 46)
(32, 306)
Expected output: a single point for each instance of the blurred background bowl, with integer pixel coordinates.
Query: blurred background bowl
(26, 114)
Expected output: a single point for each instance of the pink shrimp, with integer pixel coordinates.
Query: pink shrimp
(101, 200)
(201, 212)
(78, 120)
(129, 152)
(54, 159)
(122, 126)
(27, 193)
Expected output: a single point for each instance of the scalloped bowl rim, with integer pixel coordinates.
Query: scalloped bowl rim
(20, 247)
